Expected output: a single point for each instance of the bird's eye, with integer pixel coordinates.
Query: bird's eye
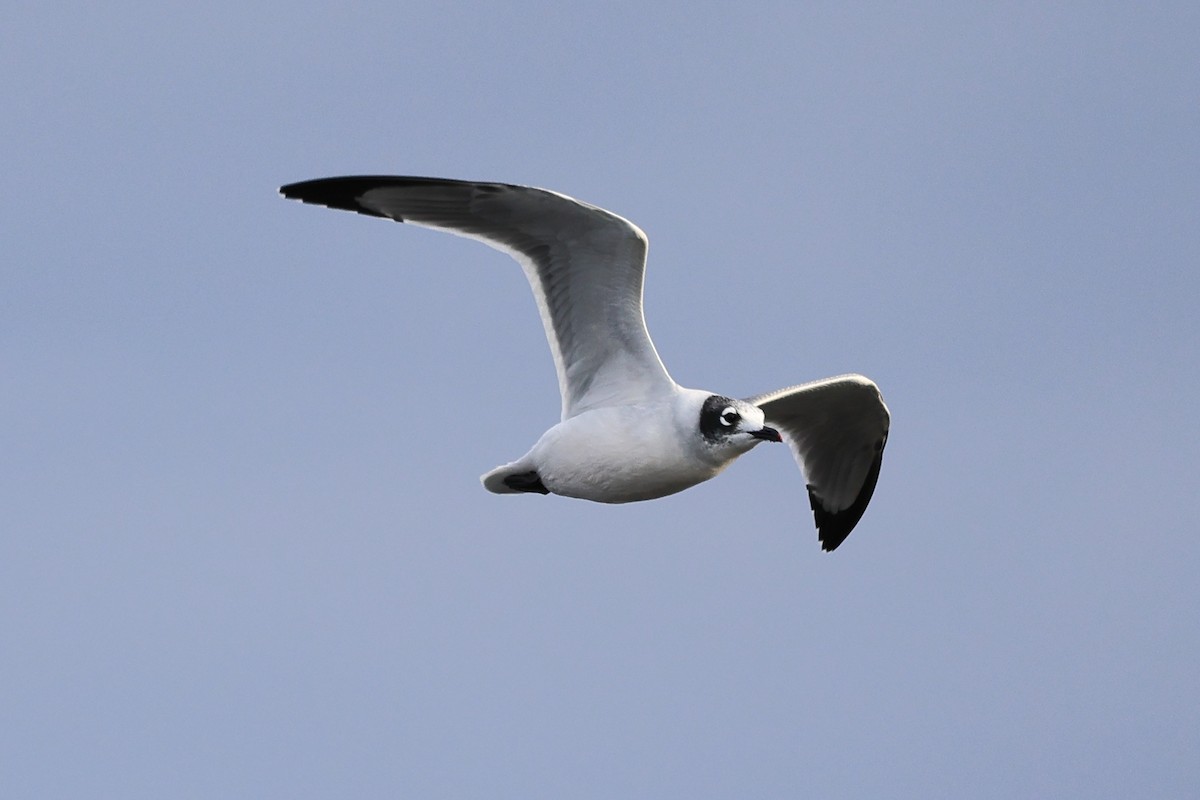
(729, 417)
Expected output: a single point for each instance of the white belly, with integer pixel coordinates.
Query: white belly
(619, 455)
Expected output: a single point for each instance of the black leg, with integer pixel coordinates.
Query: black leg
(526, 482)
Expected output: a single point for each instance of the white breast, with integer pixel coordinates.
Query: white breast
(622, 454)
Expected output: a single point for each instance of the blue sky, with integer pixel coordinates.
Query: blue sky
(245, 551)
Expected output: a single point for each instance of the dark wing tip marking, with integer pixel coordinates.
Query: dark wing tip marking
(343, 192)
(834, 527)
(340, 193)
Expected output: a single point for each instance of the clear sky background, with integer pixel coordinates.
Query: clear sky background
(245, 552)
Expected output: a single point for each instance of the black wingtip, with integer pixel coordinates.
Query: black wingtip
(340, 193)
(834, 527)
(343, 192)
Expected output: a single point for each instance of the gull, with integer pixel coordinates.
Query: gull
(628, 432)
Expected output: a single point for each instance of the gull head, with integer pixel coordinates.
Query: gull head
(730, 427)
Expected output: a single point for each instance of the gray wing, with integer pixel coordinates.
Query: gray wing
(585, 266)
(837, 429)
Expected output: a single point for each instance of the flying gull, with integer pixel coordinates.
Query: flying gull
(628, 431)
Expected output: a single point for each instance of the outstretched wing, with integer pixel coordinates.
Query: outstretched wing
(837, 429)
(585, 266)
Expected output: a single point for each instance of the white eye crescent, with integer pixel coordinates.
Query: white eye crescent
(729, 417)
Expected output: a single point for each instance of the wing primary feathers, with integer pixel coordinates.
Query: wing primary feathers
(339, 193)
(833, 528)
(837, 429)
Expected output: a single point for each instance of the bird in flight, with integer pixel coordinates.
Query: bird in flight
(628, 432)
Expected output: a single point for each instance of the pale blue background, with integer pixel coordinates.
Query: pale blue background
(244, 550)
